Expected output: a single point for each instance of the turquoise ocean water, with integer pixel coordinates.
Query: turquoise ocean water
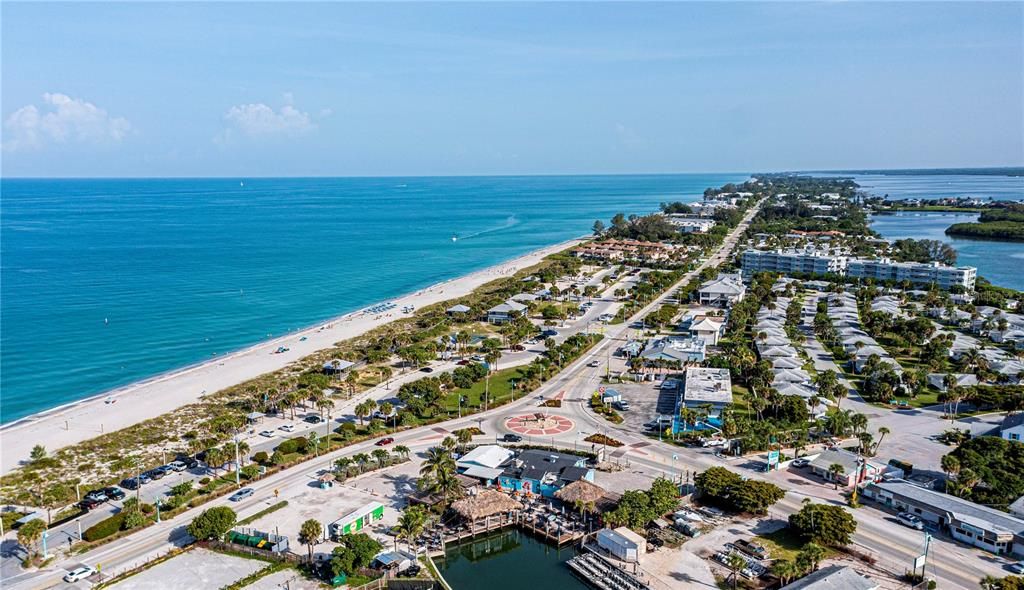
(106, 282)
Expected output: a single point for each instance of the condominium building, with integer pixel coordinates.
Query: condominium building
(792, 261)
(919, 273)
(813, 261)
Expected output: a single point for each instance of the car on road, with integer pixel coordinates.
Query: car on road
(131, 483)
(287, 428)
(267, 433)
(909, 520)
(97, 495)
(88, 504)
(549, 333)
(314, 419)
(154, 474)
(1017, 568)
(605, 317)
(79, 573)
(384, 441)
(517, 348)
(427, 370)
(478, 358)
(114, 493)
(594, 364)
(509, 437)
(463, 362)
(178, 465)
(622, 405)
(242, 494)
(712, 442)
(801, 462)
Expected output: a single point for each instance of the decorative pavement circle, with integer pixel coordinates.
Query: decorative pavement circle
(539, 424)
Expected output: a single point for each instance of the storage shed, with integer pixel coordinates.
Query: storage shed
(622, 543)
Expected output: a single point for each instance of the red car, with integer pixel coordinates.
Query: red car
(384, 441)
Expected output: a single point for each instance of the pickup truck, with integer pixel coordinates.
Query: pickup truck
(751, 549)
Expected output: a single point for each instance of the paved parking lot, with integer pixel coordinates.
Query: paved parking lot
(197, 568)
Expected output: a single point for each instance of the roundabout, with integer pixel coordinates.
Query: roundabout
(539, 424)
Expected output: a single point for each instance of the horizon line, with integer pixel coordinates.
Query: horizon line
(1017, 169)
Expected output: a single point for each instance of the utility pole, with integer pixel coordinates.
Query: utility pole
(238, 480)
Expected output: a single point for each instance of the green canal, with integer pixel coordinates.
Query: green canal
(510, 560)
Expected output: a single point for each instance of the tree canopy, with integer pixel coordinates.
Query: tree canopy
(213, 523)
(824, 524)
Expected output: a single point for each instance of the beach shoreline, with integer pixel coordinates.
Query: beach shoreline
(124, 406)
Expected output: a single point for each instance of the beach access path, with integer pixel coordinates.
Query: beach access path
(72, 423)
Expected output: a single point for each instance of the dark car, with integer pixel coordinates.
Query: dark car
(384, 441)
(426, 370)
(154, 474)
(463, 362)
(114, 493)
(313, 419)
(512, 438)
(190, 462)
(88, 504)
(130, 483)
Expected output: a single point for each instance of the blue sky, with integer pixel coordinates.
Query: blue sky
(247, 89)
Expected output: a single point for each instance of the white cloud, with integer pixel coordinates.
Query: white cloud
(62, 119)
(260, 120)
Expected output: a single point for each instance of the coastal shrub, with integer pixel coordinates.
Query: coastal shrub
(288, 446)
(261, 457)
(277, 458)
(104, 528)
(204, 480)
(250, 471)
(132, 520)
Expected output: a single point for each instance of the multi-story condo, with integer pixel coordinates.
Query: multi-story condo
(883, 269)
(918, 273)
(792, 261)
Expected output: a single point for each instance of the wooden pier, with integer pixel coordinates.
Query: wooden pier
(551, 534)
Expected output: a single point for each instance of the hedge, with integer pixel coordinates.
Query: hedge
(104, 528)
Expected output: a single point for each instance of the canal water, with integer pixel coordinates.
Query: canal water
(509, 560)
(998, 261)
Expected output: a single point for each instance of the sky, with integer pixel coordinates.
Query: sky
(350, 89)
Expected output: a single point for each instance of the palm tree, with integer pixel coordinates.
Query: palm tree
(402, 451)
(243, 451)
(361, 459)
(30, 533)
(835, 470)
(950, 465)
(881, 436)
(381, 456)
(410, 524)
(309, 535)
(215, 458)
(323, 404)
(811, 554)
(736, 564)
(464, 435)
(342, 465)
(462, 339)
(364, 409)
(492, 359)
(387, 408)
(786, 570)
(859, 422)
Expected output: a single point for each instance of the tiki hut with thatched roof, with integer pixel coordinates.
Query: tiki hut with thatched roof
(485, 503)
(580, 490)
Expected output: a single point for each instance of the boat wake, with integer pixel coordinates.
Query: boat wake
(510, 221)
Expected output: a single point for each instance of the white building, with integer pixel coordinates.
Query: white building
(724, 291)
(808, 261)
(689, 224)
(505, 312)
(622, 543)
(918, 273)
(707, 329)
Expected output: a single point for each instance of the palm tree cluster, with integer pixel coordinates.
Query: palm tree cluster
(438, 475)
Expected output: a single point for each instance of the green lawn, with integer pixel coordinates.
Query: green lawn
(500, 390)
(785, 544)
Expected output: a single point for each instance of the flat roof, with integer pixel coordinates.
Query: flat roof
(833, 577)
(964, 510)
(707, 385)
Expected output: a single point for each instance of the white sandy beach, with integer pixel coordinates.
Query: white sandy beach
(82, 420)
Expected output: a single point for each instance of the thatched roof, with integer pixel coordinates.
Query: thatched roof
(580, 490)
(326, 477)
(485, 503)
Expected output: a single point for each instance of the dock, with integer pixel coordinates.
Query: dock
(551, 534)
(601, 574)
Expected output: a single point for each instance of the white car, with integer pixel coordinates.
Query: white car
(177, 465)
(267, 433)
(79, 573)
(287, 428)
